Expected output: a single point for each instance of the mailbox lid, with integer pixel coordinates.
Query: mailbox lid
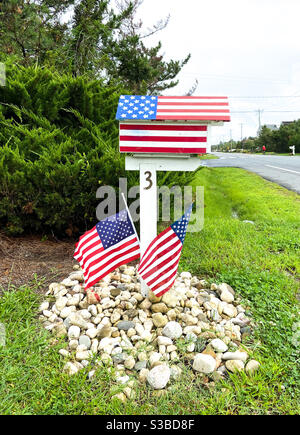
(164, 137)
(164, 108)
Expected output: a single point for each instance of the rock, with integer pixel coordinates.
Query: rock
(64, 352)
(229, 310)
(219, 345)
(154, 299)
(59, 329)
(226, 287)
(234, 365)
(242, 356)
(119, 358)
(61, 303)
(143, 375)
(44, 306)
(74, 332)
(73, 344)
(172, 330)
(252, 366)
(160, 307)
(186, 275)
(164, 341)
(85, 340)
(204, 363)
(171, 298)
(154, 358)
(120, 396)
(115, 317)
(227, 296)
(125, 325)
(145, 305)
(104, 331)
(83, 355)
(92, 333)
(122, 379)
(70, 368)
(159, 320)
(140, 365)
(76, 320)
(129, 362)
(159, 376)
(115, 292)
(175, 372)
(75, 300)
(171, 314)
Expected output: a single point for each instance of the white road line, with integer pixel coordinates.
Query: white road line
(283, 169)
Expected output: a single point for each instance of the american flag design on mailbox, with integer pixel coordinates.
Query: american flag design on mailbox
(151, 124)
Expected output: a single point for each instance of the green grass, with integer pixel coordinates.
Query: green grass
(208, 157)
(260, 261)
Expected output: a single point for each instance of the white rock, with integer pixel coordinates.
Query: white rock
(219, 345)
(186, 275)
(234, 365)
(74, 332)
(129, 362)
(191, 347)
(92, 333)
(226, 296)
(44, 306)
(73, 344)
(204, 363)
(63, 352)
(83, 355)
(74, 300)
(77, 320)
(47, 313)
(65, 312)
(164, 341)
(242, 356)
(159, 376)
(172, 330)
(70, 369)
(252, 366)
(154, 357)
(229, 310)
(61, 303)
(122, 379)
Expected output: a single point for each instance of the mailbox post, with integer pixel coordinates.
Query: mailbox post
(164, 134)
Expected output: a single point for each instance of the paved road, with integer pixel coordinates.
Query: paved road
(283, 170)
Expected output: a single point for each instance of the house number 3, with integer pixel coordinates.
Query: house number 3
(148, 178)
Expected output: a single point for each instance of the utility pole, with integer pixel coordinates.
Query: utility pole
(259, 119)
(242, 136)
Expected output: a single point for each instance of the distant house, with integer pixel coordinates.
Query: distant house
(287, 122)
(269, 126)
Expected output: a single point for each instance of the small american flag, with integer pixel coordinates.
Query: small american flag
(147, 107)
(159, 264)
(111, 243)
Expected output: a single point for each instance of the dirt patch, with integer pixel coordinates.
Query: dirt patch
(21, 258)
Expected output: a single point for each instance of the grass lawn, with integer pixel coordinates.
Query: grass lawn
(208, 157)
(260, 261)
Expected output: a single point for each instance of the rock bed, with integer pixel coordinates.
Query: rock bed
(148, 340)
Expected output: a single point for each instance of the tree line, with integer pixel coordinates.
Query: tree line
(277, 141)
(67, 62)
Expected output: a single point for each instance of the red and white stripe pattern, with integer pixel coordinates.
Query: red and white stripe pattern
(100, 257)
(163, 138)
(159, 264)
(193, 108)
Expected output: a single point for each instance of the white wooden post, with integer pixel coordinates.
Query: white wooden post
(148, 211)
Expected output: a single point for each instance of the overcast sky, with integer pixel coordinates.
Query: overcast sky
(239, 48)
